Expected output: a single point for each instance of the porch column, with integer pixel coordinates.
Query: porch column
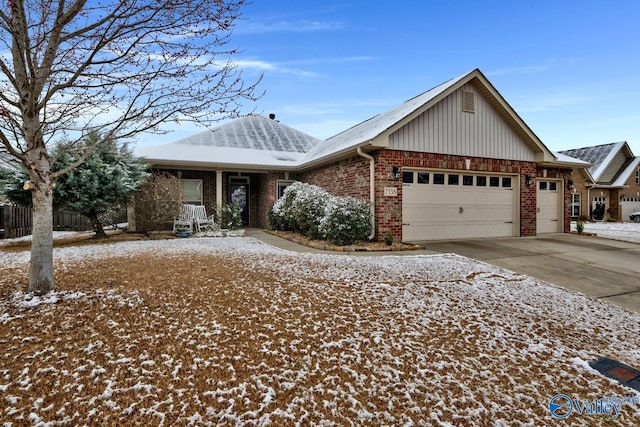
(218, 189)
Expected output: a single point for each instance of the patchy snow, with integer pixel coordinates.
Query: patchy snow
(56, 236)
(302, 339)
(626, 231)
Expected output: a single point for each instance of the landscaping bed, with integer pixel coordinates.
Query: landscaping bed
(361, 246)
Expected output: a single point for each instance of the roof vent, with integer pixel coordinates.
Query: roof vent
(468, 102)
(272, 116)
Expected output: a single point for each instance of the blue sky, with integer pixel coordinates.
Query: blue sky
(569, 68)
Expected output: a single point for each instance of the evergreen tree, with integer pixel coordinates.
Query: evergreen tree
(104, 181)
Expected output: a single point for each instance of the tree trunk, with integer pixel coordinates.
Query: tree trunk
(97, 225)
(41, 274)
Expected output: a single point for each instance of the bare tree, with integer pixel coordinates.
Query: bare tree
(115, 67)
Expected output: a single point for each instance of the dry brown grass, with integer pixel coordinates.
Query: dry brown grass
(229, 338)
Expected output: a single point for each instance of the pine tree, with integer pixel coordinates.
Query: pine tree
(104, 181)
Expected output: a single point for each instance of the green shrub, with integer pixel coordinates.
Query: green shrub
(308, 209)
(315, 213)
(229, 216)
(281, 213)
(388, 238)
(346, 220)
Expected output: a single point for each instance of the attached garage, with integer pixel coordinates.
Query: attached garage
(456, 205)
(628, 205)
(549, 216)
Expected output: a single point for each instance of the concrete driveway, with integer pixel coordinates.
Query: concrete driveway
(599, 268)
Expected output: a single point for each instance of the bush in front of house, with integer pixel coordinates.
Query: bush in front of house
(281, 214)
(315, 213)
(308, 209)
(229, 216)
(346, 220)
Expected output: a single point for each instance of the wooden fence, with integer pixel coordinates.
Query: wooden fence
(17, 221)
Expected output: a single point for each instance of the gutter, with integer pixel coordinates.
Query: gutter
(372, 194)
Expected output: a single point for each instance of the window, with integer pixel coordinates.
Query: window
(407, 177)
(438, 178)
(282, 185)
(454, 179)
(506, 182)
(467, 180)
(575, 204)
(638, 177)
(191, 191)
(423, 177)
(543, 185)
(481, 181)
(494, 181)
(553, 186)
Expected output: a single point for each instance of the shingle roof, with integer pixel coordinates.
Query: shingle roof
(255, 133)
(371, 128)
(262, 142)
(602, 156)
(595, 155)
(248, 141)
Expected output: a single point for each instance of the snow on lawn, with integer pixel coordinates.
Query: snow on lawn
(627, 231)
(235, 332)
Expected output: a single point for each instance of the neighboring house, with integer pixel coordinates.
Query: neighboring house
(610, 187)
(454, 162)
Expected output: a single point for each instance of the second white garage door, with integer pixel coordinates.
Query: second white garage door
(628, 205)
(548, 207)
(446, 205)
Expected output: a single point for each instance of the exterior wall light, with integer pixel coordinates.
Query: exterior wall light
(396, 172)
(527, 180)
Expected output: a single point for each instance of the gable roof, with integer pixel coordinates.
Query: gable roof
(602, 157)
(372, 128)
(264, 143)
(375, 131)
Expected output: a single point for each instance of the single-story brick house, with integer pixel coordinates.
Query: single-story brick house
(613, 181)
(453, 162)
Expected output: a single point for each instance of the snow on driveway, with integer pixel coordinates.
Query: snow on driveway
(261, 336)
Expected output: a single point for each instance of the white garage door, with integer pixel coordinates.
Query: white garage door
(445, 205)
(549, 214)
(628, 205)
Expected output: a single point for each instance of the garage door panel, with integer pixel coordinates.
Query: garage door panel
(629, 205)
(548, 212)
(432, 212)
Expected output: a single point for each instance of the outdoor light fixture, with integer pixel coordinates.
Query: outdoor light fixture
(527, 180)
(396, 172)
(571, 184)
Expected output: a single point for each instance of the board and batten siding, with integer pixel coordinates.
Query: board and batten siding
(446, 129)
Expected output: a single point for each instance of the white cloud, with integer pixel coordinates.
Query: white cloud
(281, 26)
(554, 101)
(529, 69)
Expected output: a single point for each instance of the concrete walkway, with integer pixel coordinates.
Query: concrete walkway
(599, 268)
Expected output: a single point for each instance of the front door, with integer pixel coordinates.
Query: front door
(239, 194)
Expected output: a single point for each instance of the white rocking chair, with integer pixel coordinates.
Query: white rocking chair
(200, 218)
(185, 222)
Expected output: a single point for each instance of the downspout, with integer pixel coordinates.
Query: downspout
(372, 194)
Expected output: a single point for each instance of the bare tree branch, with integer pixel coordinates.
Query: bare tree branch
(114, 67)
